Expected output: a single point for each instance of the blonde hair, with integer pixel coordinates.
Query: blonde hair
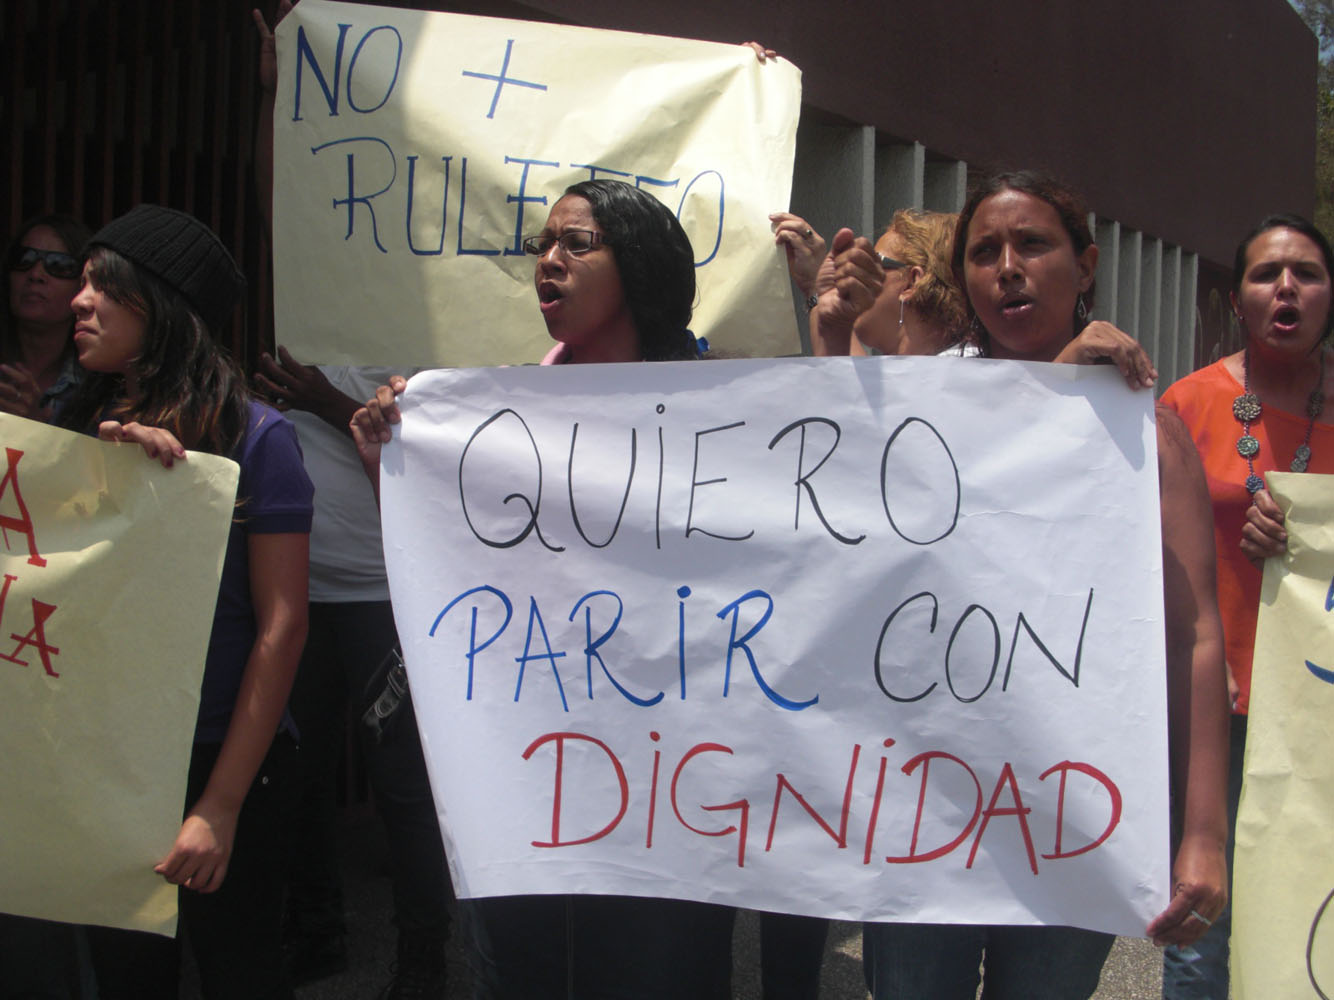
(927, 239)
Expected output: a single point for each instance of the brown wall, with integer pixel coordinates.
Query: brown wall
(108, 103)
(1187, 119)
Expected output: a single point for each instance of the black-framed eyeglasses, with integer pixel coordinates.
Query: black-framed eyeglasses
(573, 242)
(889, 263)
(58, 264)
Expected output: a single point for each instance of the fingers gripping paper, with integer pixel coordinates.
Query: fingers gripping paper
(415, 151)
(1283, 919)
(836, 637)
(111, 566)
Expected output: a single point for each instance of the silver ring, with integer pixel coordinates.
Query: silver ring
(808, 233)
(1201, 918)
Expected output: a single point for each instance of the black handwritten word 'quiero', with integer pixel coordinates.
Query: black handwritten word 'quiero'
(507, 433)
(40, 611)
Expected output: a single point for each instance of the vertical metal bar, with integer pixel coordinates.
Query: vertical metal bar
(167, 105)
(138, 98)
(244, 67)
(106, 71)
(78, 112)
(17, 49)
(47, 99)
(218, 112)
(197, 110)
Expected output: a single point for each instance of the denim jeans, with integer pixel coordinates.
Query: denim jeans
(1200, 971)
(941, 962)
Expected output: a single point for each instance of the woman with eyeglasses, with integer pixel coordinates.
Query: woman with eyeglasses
(615, 281)
(38, 368)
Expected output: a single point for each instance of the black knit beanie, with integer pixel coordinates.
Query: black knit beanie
(183, 252)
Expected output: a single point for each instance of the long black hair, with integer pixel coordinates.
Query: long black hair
(655, 261)
(185, 382)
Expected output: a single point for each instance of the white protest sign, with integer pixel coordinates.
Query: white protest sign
(414, 152)
(111, 566)
(860, 638)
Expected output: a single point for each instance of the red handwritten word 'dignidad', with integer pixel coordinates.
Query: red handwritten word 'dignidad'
(1005, 800)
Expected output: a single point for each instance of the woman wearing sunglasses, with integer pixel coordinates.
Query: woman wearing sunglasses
(918, 309)
(38, 367)
(615, 281)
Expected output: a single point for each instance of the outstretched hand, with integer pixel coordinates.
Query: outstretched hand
(290, 385)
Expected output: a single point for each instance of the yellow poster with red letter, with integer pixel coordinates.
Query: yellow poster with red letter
(110, 569)
(1283, 920)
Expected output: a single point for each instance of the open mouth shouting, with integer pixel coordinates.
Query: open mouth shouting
(549, 294)
(1017, 306)
(1287, 319)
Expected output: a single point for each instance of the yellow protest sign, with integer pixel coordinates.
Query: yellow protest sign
(1283, 921)
(414, 152)
(110, 576)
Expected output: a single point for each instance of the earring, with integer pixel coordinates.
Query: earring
(977, 333)
(900, 312)
(1081, 310)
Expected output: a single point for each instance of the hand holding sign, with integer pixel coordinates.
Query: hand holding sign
(1263, 535)
(603, 578)
(157, 442)
(422, 204)
(1281, 940)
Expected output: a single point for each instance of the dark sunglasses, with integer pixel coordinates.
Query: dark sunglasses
(889, 263)
(57, 263)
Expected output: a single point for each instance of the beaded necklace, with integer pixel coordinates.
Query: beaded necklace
(1246, 408)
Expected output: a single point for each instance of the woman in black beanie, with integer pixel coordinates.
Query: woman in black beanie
(156, 285)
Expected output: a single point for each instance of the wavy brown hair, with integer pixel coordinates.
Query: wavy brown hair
(926, 239)
(184, 381)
